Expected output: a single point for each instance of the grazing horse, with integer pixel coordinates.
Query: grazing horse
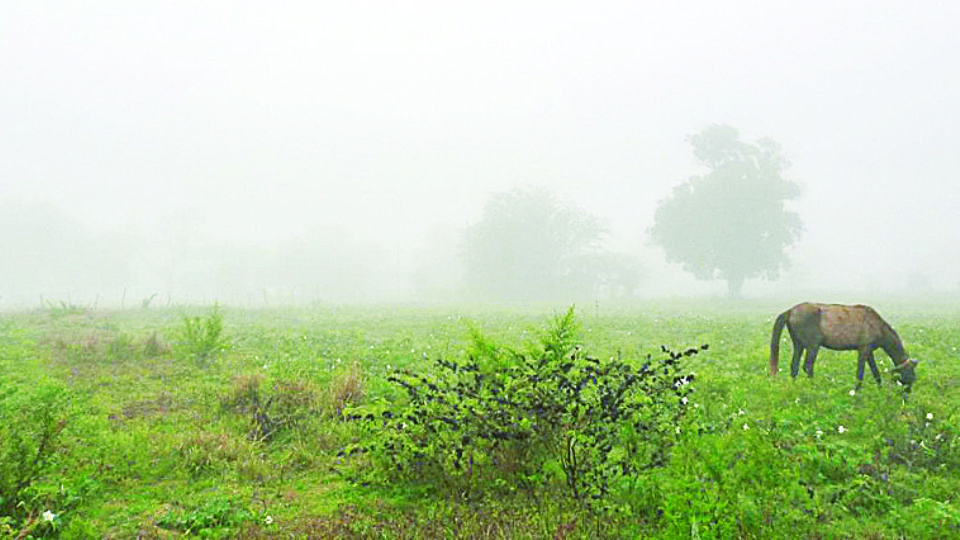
(841, 328)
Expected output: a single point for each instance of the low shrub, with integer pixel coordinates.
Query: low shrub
(510, 419)
(272, 410)
(32, 419)
(201, 338)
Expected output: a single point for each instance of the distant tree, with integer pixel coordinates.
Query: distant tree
(603, 274)
(730, 223)
(528, 246)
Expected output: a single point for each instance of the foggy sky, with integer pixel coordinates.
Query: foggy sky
(259, 123)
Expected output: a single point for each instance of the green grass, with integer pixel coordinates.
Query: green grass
(142, 439)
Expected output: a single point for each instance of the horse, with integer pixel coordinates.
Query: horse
(841, 328)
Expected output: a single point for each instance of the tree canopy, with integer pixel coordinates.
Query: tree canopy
(529, 246)
(730, 223)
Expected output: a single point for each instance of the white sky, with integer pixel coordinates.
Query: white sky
(256, 121)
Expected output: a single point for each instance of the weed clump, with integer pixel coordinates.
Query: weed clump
(201, 338)
(345, 389)
(207, 518)
(272, 411)
(154, 345)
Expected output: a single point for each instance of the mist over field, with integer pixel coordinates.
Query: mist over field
(173, 152)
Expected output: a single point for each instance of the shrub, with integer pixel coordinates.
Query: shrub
(201, 338)
(272, 411)
(554, 413)
(32, 419)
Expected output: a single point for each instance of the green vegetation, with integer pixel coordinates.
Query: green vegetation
(730, 223)
(529, 246)
(434, 422)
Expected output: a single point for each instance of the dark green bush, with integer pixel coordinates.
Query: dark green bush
(520, 420)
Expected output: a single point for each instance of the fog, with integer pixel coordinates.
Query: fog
(271, 152)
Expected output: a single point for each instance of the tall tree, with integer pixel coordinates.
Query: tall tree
(731, 222)
(527, 245)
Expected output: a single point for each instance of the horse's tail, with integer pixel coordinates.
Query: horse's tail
(775, 341)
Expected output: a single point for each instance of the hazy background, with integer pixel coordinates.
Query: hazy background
(291, 151)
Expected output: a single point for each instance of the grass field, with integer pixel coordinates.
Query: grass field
(226, 423)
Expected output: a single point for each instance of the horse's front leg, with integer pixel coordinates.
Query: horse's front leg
(861, 364)
(873, 367)
(811, 358)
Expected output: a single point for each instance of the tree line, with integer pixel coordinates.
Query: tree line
(729, 222)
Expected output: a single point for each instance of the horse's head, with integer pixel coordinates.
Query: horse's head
(907, 372)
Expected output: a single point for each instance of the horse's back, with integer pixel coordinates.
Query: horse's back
(848, 326)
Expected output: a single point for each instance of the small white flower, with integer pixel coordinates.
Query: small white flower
(841, 429)
(853, 392)
(741, 412)
(268, 520)
(678, 430)
(746, 426)
(819, 433)
(49, 516)
(929, 416)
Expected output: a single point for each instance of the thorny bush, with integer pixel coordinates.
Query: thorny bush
(526, 419)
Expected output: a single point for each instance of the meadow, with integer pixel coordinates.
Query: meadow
(416, 422)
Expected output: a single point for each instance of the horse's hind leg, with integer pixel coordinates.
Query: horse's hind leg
(811, 358)
(795, 363)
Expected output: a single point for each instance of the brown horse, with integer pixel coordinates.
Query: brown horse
(841, 328)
